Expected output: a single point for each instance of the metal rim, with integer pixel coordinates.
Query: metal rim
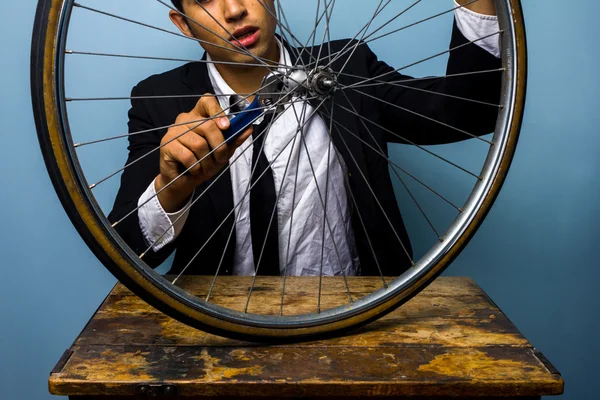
(52, 122)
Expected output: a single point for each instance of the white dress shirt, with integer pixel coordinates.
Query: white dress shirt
(304, 234)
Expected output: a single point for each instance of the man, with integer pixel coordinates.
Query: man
(342, 171)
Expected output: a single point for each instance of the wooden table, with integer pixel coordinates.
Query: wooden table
(451, 340)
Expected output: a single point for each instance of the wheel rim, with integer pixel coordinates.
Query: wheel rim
(71, 184)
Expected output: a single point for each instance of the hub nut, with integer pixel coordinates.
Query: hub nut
(322, 81)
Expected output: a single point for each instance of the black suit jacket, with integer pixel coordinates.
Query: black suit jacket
(364, 164)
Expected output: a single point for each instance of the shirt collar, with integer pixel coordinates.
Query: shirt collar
(221, 87)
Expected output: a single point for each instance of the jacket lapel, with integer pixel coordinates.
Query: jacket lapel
(196, 77)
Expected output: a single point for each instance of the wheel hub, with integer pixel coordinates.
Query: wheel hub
(319, 82)
(322, 81)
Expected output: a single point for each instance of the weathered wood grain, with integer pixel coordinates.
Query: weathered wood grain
(245, 371)
(450, 340)
(234, 285)
(460, 322)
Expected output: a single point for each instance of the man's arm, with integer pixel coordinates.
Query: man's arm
(152, 181)
(143, 166)
(485, 7)
(415, 111)
(475, 25)
(159, 227)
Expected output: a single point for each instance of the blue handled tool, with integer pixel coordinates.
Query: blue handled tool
(240, 122)
(267, 101)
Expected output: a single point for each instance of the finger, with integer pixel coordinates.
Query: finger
(196, 143)
(210, 166)
(185, 157)
(216, 141)
(209, 107)
(210, 133)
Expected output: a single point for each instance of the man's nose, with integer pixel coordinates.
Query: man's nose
(234, 10)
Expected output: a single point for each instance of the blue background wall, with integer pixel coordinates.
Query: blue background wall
(534, 254)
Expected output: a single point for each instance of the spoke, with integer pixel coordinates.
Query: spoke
(395, 17)
(290, 37)
(163, 97)
(219, 227)
(330, 55)
(421, 210)
(430, 92)
(410, 80)
(298, 55)
(267, 64)
(328, 12)
(354, 202)
(209, 154)
(422, 116)
(287, 253)
(316, 21)
(223, 171)
(394, 165)
(375, 197)
(157, 28)
(183, 174)
(395, 172)
(81, 144)
(329, 42)
(281, 27)
(410, 142)
(366, 29)
(367, 40)
(365, 82)
(329, 144)
(419, 22)
(175, 138)
(114, 55)
(214, 280)
(283, 20)
(239, 45)
(262, 249)
(424, 59)
(362, 223)
(246, 193)
(312, 35)
(312, 169)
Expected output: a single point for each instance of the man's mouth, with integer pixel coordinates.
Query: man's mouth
(245, 37)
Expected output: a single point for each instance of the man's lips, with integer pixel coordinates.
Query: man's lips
(245, 37)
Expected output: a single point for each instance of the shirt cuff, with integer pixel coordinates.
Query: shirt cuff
(474, 26)
(159, 227)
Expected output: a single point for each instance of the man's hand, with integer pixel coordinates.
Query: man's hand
(184, 145)
(486, 7)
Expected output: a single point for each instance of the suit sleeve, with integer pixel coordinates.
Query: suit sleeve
(141, 169)
(411, 111)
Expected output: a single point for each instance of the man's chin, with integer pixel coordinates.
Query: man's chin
(255, 56)
(244, 60)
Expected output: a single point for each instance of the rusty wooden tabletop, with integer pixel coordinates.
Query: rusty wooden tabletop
(449, 340)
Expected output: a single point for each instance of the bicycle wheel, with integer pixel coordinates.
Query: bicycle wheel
(319, 78)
